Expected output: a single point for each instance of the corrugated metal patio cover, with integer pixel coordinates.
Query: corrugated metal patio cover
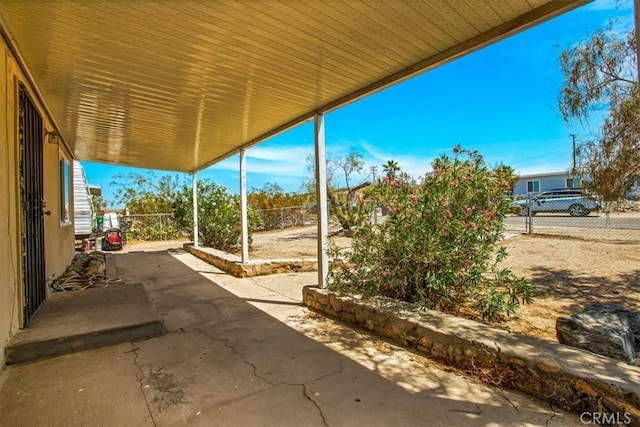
(178, 85)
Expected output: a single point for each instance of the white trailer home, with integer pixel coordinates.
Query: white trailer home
(83, 214)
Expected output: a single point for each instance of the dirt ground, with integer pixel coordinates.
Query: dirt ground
(566, 273)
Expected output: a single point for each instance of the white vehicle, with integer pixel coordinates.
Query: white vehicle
(575, 202)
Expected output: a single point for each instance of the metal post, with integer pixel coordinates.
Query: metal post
(321, 200)
(281, 218)
(243, 206)
(161, 233)
(529, 213)
(194, 190)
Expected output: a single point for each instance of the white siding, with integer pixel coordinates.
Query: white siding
(83, 215)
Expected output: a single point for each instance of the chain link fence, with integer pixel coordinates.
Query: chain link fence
(286, 217)
(580, 217)
(613, 222)
(150, 227)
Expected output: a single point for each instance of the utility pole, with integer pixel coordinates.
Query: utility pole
(636, 9)
(573, 155)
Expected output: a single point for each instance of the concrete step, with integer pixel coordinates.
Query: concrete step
(82, 320)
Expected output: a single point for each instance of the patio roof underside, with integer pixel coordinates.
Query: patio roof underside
(180, 85)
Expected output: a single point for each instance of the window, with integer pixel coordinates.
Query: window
(533, 186)
(65, 190)
(572, 183)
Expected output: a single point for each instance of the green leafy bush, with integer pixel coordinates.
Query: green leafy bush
(219, 224)
(148, 199)
(437, 247)
(275, 207)
(150, 228)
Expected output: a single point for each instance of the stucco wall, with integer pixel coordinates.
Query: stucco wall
(59, 243)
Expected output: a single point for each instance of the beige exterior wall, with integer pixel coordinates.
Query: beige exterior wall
(59, 239)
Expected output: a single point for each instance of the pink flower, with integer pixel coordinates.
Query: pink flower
(456, 149)
(466, 265)
(407, 226)
(394, 209)
(414, 197)
(473, 226)
(385, 273)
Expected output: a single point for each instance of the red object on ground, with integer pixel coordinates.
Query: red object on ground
(113, 239)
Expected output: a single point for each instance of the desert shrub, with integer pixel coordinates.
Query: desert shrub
(148, 198)
(437, 247)
(149, 228)
(271, 203)
(219, 223)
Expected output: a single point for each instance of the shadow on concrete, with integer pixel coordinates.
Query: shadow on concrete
(85, 319)
(225, 362)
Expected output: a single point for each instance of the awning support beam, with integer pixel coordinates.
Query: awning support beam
(194, 190)
(243, 206)
(321, 199)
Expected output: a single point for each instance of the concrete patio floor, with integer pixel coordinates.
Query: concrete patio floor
(245, 352)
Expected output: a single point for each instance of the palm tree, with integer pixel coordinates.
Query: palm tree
(391, 168)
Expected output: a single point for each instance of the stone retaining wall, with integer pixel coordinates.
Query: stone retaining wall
(233, 264)
(573, 379)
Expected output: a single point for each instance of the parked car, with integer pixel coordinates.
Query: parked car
(575, 202)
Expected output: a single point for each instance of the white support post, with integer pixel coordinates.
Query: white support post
(243, 206)
(194, 190)
(321, 200)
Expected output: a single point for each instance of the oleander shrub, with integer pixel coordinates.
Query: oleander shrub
(438, 247)
(219, 223)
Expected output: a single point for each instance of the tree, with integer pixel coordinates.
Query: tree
(602, 73)
(340, 192)
(271, 202)
(391, 168)
(146, 195)
(612, 164)
(99, 205)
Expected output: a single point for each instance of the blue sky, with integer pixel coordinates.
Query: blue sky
(501, 100)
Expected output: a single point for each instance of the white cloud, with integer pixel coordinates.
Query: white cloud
(285, 160)
(412, 163)
(292, 153)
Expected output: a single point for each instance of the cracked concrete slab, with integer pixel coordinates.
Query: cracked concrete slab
(95, 387)
(183, 373)
(246, 352)
(282, 405)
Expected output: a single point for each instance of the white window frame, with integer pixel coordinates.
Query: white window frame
(571, 183)
(65, 177)
(533, 186)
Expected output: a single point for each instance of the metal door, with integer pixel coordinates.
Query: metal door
(32, 195)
